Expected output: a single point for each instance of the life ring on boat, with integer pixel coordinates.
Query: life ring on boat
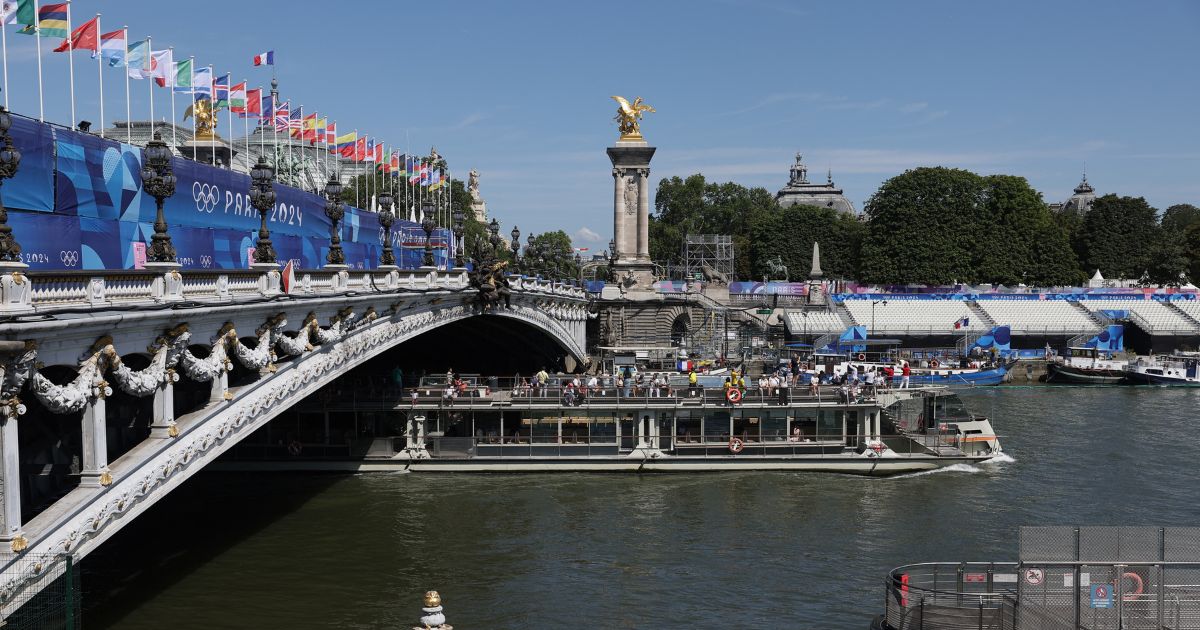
(733, 395)
(878, 447)
(1138, 588)
(294, 448)
(933, 364)
(736, 445)
(862, 356)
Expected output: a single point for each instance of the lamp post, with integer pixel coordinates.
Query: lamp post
(262, 197)
(515, 244)
(427, 225)
(159, 182)
(494, 237)
(612, 259)
(335, 210)
(579, 266)
(459, 219)
(387, 259)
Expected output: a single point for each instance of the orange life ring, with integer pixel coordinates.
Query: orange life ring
(933, 364)
(733, 395)
(862, 356)
(736, 445)
(294, 448)
(1141, 585)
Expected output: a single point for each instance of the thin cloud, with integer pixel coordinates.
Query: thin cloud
(913, 108)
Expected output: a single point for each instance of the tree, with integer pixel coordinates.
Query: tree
(789, 233)
(1179, 217)
(1021, 243)
(550, 255)
(1191, 240)
(923, 227)
(1120, 237)
(696, 206)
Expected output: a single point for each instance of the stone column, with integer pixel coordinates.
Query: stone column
(10, 484)
(220, 383)
(619, 211)
(643, 216)
(95, 446)
(164, 411)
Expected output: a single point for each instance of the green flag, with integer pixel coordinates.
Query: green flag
(183, 76)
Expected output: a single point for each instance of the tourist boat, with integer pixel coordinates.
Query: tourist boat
(1087, 366)
(1179, 369)
(488, 427)
(927, 372)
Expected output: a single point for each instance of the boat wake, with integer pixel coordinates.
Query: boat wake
(1002, 458)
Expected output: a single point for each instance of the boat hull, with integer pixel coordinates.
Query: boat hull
(993, 376)
(1056, 373)
(1141, 378)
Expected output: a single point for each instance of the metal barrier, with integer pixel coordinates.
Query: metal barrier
(41, 592)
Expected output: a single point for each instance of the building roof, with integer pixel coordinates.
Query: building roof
(1081, 201)
(800, 191)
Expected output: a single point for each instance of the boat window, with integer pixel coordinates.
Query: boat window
(775, 425)
(950, 408)
(747, 426)
(544, 428)
(806, 421)
(687, 426)
(575, 429)
(830, 424)
(604, 428)
(716, 427)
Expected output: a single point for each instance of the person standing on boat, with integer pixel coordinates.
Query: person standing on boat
(869, 382)
(692, 381)
(814, 384)
(542, 379)
(905, 372)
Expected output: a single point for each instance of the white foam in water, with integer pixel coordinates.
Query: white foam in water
(1002, 458)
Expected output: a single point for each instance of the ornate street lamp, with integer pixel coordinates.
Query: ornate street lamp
(262, 197)
(494, 238)
(335, 210)
(10, 159)
(427, 225)
(612, 259)
(515, 244)
(579, 266)
(386, 219)
(159, 182)
(459, 219)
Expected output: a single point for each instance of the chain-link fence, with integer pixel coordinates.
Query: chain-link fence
(40, 593)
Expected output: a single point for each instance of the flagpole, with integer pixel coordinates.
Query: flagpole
(262, 135)
(149, 61)
(37, 37)
(229, 115)
(128, 110)
(212, 101)
(70, 60)
(171, 84)
(192, 104)
(354, 154)
(100, 70)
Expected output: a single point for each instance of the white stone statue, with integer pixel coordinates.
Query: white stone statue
(473, 183)
(631, 195)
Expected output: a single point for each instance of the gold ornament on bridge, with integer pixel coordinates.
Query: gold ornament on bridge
(432, 599)
(206, 118)
(628, 117)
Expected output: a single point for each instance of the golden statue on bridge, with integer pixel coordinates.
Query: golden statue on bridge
(628, 115)
(206, 118)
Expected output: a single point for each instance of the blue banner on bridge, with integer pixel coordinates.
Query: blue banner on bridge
(91, 212)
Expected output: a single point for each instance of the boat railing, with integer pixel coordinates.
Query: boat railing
(525, 443)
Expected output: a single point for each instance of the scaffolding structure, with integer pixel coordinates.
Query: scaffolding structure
(714, 250)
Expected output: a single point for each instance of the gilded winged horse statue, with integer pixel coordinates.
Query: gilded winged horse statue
(628, 115)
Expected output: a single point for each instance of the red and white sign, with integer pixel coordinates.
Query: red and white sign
(1034, 576)
(974, 577)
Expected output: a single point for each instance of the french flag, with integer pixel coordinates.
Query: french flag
(265, 59)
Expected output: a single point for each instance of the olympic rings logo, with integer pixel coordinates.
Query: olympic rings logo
(206, 261)
(69, 257)
(205, 196)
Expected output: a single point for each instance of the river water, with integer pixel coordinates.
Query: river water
(761, 550)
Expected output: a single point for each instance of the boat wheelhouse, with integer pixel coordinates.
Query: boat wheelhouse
(1087, 365)
(1179, 369)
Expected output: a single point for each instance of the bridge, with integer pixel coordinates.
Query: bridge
(216, 354)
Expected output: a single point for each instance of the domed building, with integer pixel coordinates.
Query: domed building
(800, 191)
(1081, 202)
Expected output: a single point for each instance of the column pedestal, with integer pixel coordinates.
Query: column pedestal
(16, 289)
(95, 446)
(631, 212)
(164, 412)
(11, 532)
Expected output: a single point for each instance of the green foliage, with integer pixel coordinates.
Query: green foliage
(696, 206)
(1120, 237)
(550, 255)
(789, 233)
(1191, 241)
(1179, 217)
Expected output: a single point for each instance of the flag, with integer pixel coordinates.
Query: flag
(369, 154)
(265, 59)
(296, 122)
(288, 277)
(51, 20)
(360, 149)
(345, 144)
(161, 67)
(320, 133)
(16, 12)
(331, 136)
(86, 37)
(308, 130)
(237, 98)
(221, 92)
(379, 153)
(112, 48)
(202, 83)
(411, 169)
(254, 103)
(281, 116)
(962, 323)
(268, 107)
(136, 59)
(181, 81)
(393, 166)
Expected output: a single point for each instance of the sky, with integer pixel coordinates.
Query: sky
(520, 90)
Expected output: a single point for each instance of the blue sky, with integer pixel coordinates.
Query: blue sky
(520, 90)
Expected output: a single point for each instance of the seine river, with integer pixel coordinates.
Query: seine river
(761, 550)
